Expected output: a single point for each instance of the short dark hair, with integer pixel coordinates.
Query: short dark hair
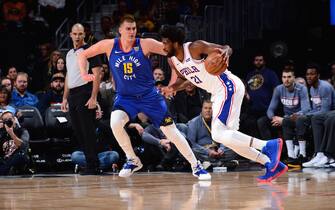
(288, 69)
(313, 65)
(173, 33)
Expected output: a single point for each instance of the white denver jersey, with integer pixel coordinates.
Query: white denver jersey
(194, 71)
(227, 89)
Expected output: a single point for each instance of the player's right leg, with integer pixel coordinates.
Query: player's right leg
(118, 120)
(225, 123)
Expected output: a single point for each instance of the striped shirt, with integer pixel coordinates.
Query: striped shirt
(73, 73)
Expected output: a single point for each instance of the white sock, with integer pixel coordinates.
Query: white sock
(256, 143)
(118, 120)
(239, 142)
(290, 150)
(173, 134)
(302, 146)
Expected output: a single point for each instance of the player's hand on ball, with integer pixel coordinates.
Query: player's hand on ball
(217, 62)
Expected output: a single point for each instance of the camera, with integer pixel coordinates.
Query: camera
(8, 122)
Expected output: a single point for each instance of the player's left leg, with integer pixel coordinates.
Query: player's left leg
(154, 106)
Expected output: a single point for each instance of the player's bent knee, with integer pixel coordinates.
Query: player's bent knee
(118, 119)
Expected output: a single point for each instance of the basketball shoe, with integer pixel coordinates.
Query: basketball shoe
(273, 150)
(269, 175)
(200, 172)
(130, 167)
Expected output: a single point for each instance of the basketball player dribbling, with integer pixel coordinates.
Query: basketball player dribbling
(135, 92)
(227, 94)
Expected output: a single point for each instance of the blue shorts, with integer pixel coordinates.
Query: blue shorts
(151, 104)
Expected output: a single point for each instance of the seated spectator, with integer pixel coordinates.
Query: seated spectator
(158, 74)
(89, 37)
(323, 135)
(52, 64)
(107, 157)
(107, 89)
(203, 146)
(106, 24)
(331, 80)
(20, 95)
(7, 83)
(12, 74)
(294, 98)
(188, 103)
(54, 95)
(60, 66)
(5, 96)
(163, 153)
(14, 143)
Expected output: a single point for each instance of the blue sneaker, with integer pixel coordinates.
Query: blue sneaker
(130, 167)
(269, 176)
(273, 150)
(200, 172)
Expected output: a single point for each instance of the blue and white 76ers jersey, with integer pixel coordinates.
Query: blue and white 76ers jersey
(194, 71)
(227, 89)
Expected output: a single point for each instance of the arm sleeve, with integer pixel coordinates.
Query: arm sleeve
(274, 103)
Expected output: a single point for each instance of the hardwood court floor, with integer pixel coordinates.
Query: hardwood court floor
(310, 189)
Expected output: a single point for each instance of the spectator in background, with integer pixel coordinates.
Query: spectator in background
(106, 25)
(188, 103)
(39, 75)
(332, 71)
(89, 37)
(54, 95)
(260, 83)
(203, 146)
(5, 97)
(158, 74)
(60, 66)
(323, 100)
(107, 157)
(294, 98)
(52, 64)
(11, 74)
(20, 95)
(14, 143)
(53, 11)
(106, 90)
(5, 81)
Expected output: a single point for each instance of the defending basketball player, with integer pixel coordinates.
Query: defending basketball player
(135, 92)
(227, 94)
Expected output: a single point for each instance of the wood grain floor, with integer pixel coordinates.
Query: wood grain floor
(309, 189)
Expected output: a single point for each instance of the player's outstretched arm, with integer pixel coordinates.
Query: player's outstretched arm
(102, 47)
(202, 47)
(152, 46)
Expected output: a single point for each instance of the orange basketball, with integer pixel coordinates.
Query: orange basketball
(215, 63)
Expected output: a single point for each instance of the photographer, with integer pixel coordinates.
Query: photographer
(14, 143)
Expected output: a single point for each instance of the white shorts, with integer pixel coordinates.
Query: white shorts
(227, 102)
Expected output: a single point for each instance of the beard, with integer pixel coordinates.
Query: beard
(171, 53)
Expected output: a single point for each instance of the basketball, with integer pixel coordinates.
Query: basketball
(215, 63)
